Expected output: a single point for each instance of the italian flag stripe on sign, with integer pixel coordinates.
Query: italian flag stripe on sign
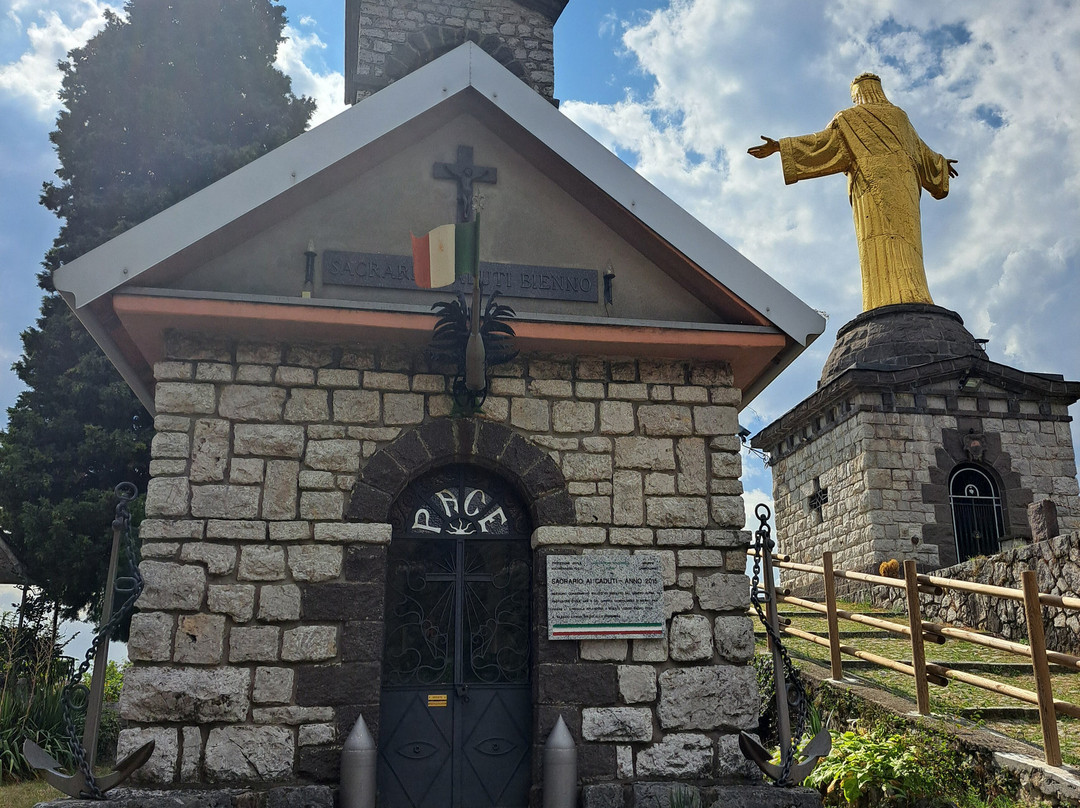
(444, 254)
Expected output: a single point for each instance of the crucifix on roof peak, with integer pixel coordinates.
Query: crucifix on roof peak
(465, 172)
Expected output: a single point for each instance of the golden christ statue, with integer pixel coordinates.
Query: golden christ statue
(886, 165)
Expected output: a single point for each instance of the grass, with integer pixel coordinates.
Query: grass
(28, 794)
(956, 699)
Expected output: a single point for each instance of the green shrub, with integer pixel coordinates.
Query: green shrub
(30, 688)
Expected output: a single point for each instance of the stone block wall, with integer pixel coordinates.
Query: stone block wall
(395, 37)
(259, 636)
(1057, 564)
(885, 459)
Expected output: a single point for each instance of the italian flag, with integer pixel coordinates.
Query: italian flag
(445, 254)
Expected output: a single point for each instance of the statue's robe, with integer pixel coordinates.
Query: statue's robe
(886, 165)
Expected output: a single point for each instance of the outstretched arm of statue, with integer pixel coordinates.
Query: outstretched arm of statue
(770, 146)
(952, 171)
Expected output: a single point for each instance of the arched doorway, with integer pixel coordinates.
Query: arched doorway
(978, 519)
(456, 711)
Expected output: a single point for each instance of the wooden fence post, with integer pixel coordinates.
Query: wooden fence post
(918, 655)
(1043, 688)
(836, 666)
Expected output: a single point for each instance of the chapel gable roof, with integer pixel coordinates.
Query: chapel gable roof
(753, 322)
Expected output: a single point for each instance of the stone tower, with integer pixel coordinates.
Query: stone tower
(916, 445)
(388, 39)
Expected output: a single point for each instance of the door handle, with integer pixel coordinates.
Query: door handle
(462, 692)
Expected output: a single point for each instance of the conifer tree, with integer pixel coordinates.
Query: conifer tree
(168, 97)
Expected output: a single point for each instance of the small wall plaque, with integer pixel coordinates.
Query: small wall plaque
(605, 596)
(509, 280)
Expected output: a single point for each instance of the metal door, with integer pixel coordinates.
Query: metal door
(978, 519)
(455, 717)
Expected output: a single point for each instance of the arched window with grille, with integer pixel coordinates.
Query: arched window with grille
(978, 518)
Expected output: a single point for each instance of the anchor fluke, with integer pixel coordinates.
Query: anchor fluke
(75, 785)
(819, 747)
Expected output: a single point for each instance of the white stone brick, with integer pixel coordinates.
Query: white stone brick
(150, 638)
(199, 639)
(315, 563)
(261, 563)
(249, 402)
(273, 685)
(254, 644)
(249, 754)
(235, 600)
(172, 586)
(616, 724)
(220, 559)
(309, 644)
(279, 603)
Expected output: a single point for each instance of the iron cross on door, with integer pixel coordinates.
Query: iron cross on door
(455, 726)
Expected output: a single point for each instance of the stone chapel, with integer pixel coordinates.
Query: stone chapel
(329, 534)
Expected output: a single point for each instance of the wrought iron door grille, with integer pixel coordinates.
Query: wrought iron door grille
(978, 518)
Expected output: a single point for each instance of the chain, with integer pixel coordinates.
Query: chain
(797, 697)
(76, 696)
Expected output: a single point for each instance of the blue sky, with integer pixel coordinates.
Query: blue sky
(679, 89)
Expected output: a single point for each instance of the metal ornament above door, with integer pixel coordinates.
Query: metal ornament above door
(455, 726)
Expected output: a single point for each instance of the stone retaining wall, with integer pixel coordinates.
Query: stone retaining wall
(259, 639)
(1057, 564)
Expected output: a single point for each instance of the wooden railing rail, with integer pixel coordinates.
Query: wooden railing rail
(919, 632)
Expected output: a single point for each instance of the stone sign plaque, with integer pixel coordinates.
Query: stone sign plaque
(384, 271)
(605, 596)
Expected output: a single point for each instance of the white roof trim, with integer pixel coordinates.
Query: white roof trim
(124, 258)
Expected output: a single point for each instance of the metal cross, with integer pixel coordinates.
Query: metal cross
(465, 172)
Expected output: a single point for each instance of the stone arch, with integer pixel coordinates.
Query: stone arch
(462, 440)
(434, 41)
(995, 462)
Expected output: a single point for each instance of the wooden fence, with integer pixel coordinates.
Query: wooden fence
(920, 632)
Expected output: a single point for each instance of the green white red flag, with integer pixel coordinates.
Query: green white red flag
(445, 254)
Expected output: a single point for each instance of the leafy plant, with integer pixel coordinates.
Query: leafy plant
(865, 765)
(30, 706)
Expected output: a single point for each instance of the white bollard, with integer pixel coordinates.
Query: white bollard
(358, 757)
(560, 768)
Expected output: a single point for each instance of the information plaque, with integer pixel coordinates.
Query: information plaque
(605, 596)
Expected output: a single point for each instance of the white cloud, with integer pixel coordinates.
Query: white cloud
(988, 83)
(294, 59)
(51, 28)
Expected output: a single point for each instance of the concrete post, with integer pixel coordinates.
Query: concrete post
(358, 757)
(560, 768)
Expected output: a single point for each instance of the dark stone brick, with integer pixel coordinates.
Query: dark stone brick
(362, 641)
(301, 796)
(597, 761)
(341, 601)
(369, 504)
(760, 796)
(465, 437)
(438, 439)
(333, 685)
(365, 564)
(319, 763)
(520, 455)
(932, 494)
(603, 795)
(491, 440)
(347, 714)
(595, 684)
(554, 509)
(383, 472)
(543, 478)
(410, 453)
(548, 715)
